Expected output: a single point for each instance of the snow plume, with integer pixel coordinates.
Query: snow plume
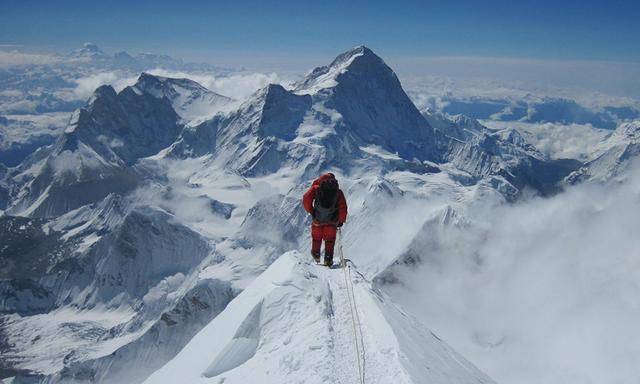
(545, 291)
(237, 85)
(86, 85)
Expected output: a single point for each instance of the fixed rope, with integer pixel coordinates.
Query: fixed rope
(355, 318)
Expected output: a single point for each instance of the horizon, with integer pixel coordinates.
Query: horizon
(288, 31)
(580, 45)
(614, 78)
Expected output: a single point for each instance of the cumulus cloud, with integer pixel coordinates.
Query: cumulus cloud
(545, 291)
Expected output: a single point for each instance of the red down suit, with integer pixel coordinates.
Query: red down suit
(326, 217)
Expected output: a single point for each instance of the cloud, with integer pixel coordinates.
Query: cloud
(87, 85)
(14, 58)
(428, 90)
(545, 291)
(238, 86)
(558, 141)
(617, 78)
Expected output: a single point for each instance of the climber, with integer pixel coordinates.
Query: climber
(326, 204)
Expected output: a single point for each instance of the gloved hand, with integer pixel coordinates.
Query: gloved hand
(339, 224)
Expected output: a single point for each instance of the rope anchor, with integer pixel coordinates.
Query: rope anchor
(355, 319)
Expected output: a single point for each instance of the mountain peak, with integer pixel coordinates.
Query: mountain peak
(369, 97)
(190, 99)
(152, 83)
(148, 83)
(272, 90)
(355, 52)
(91, 47)
(358, 58)
(146, 76)
(88, 51)
(102, 92)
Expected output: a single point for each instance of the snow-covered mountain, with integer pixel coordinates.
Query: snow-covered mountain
(460, 127)
(91, 54)
(356, 101)
(88, 52)
(93, 157)
(95, 282)
(507, 156)
(349, 110)
(371, 104)
(613, 156)
(163, 232)
(36, 99)
(189, 99)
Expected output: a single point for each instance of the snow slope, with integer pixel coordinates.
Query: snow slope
(189, 99)
(293, 325)
(613, 155)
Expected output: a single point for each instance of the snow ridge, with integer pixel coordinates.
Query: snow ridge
(295, 301)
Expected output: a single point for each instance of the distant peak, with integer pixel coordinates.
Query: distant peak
(144, 76)
(88, 50)
(91, 47)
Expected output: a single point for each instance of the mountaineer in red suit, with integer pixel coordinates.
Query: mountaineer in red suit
(326, 204)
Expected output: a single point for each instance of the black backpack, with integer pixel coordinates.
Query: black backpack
(327, 194)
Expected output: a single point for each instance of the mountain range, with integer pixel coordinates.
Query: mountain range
(162, 231)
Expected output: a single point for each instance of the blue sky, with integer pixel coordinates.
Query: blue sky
(306, 31)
